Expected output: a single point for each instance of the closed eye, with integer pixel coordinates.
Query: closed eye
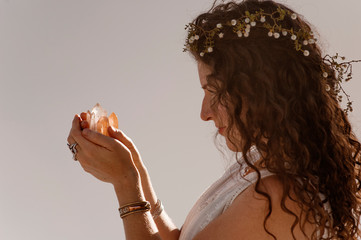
(208, 90)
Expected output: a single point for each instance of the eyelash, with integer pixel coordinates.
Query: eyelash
(211, 92)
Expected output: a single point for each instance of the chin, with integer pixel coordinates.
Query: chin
(231, 146)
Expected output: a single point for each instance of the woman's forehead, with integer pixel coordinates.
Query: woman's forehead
(204, 71)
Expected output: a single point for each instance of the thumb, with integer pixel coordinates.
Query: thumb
(98, 138)
(118, 134)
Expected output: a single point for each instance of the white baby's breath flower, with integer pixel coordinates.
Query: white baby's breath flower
(219, 25)
(306, 53)
(233, 22)
(293, 37)
(276, 35)
(305, 42)
(270, 34)
(284, 33)
(328, 88)
(294, 16)
(239, 33)
(247, 20)
(210, 49)
(201, 54)
(246, 34)
(221, 35)
(325, 74)
(253, 24)
(196, 37)
(263, 19)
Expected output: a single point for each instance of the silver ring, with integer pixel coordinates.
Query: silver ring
(72, 148)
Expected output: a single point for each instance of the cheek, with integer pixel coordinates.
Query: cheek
(222, 114)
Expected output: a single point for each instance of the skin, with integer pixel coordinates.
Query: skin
(207, 114)
(116, 160)
(220, 116)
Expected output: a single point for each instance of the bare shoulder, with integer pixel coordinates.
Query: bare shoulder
(244, 219)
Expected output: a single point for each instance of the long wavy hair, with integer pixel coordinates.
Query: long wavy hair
(301, 129)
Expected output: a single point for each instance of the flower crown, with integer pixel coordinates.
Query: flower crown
(301, 38)
(242, 27)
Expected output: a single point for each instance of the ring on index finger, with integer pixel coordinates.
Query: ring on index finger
(73, 149)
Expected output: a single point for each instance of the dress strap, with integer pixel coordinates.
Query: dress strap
(250, 179)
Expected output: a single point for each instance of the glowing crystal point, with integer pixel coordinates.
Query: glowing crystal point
(113, 120)
(98, 120)
(102, 125)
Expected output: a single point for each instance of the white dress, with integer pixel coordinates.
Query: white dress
(219, 196)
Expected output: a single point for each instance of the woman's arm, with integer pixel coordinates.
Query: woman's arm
(136, 225)
(139, 225)
(116, 160)
(166, 227)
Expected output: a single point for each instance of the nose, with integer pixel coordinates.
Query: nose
(206, 113)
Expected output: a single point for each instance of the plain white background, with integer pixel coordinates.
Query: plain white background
(58, 58)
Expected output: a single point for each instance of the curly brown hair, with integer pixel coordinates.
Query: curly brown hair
(300, 127)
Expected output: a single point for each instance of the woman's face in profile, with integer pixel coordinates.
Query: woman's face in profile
(220, 117)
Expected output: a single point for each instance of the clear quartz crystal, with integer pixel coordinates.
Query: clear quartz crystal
(96, 113)
(98, 120)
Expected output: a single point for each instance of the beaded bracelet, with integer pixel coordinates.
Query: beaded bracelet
(158, 209)
(134, 208)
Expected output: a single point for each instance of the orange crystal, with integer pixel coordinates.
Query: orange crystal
(98, 120)
(113, 120)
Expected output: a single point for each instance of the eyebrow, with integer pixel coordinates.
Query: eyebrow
(207, 77)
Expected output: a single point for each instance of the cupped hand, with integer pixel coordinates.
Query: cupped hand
(136, 157)
(106, 158)
(118, 134)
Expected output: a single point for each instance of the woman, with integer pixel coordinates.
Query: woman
(274, 99)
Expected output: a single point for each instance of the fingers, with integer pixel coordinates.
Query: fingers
(73, 147)
(70, 139)
(83, 116)
(84, 124)
(84, 120)
(98, 138)
(76, 134)
(117, 134)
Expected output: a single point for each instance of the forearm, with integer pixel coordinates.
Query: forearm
(140, 225)
(167, 229)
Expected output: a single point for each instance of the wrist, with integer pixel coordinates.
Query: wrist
(126, 197)
(128, 193)
(148, 190)
(129, 179)
(143, 171)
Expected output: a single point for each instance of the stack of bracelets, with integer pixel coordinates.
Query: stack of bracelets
(141, 207)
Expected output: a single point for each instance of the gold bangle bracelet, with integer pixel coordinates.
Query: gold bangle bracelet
(134, 208)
